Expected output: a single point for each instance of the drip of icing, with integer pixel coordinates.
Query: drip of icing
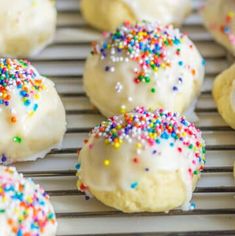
(6, 160)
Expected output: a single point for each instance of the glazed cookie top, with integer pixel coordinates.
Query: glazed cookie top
(19, 77)
(123, 148)
(24, 206)
(22, 92)
(152, 46)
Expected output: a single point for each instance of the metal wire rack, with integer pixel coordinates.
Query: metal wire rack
(214, 197)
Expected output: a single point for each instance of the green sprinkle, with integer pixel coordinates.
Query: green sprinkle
(17, 139)
(2, 211)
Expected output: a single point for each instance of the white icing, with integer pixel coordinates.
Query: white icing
(39, 132)
(190, 113)
(163, 81)
(38, 155)
(165, 12)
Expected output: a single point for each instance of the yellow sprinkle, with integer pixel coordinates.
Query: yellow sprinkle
(106, 141)
(31, 113)
(231, 14)
(116, 145)
(106, 162)
(123, 109)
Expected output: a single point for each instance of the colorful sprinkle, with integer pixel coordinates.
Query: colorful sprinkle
(24, 204)
(147, 44)
(153, 128)
(134, 185)
(17, 139)
(19, 75)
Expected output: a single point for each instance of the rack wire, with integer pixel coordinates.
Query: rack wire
(63, 62)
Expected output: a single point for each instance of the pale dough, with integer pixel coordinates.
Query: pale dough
(219, 18)
(32, 116)
(109, 14)
(142, 161)
(25, 208)
(26, 26)
(125, 70)
(224, 95)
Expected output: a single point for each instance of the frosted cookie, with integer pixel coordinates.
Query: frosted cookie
(26, 26)
(32, 116)
(224, 95)
(25, 208)
(108, 15)
(143, 65)
(219, 18)
(142, 161)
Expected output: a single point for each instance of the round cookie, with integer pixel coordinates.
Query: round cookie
(142, 161)
(32, 116)
(143, 65)
(108, 15)
(26, 26)
(224, 95)
(219, 18)
(25, 208)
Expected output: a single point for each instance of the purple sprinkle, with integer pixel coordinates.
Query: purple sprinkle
(4, 158)
(175, 88)
(107, 68)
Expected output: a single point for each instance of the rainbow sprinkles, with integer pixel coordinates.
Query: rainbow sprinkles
(20, 76)
(146, 43)
(24, 206)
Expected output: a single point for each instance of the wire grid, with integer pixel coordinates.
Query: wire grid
(63, 62)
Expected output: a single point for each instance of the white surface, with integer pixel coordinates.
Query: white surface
(72, 42)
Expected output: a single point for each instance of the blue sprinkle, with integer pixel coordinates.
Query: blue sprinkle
(192, 206)
(78, 166)
(203, 62)
(227, 29)
(164, 135)
(134, 185)
(35, 107)
(157, 141)
(180, 63)
(19, 233)
(27, 103)
(34, 226)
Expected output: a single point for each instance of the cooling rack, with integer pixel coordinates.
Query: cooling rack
(63, 62)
